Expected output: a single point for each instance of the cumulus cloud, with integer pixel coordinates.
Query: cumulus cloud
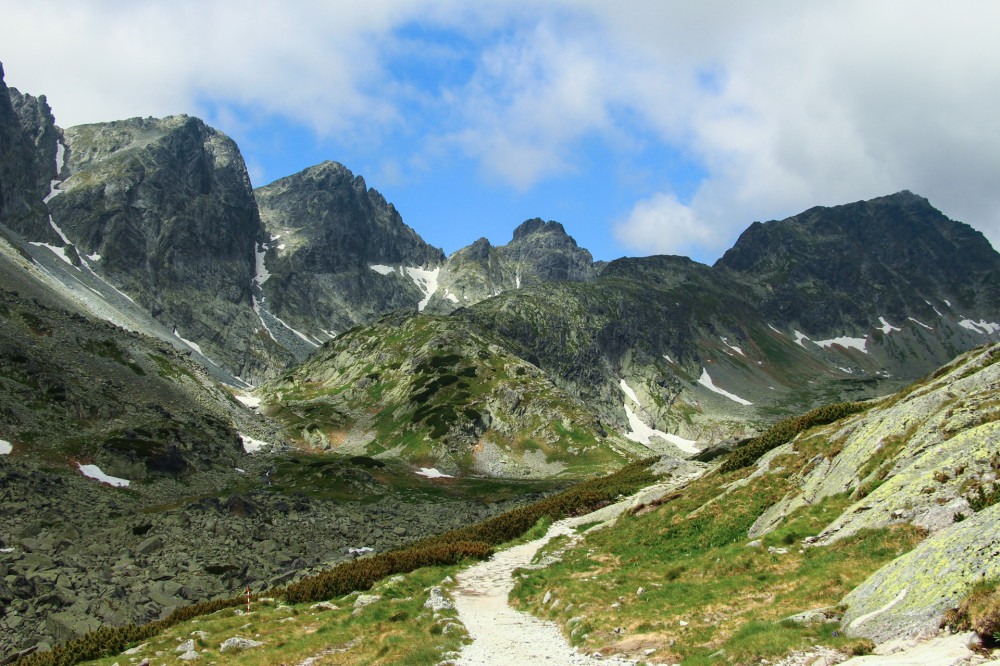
(782, 105)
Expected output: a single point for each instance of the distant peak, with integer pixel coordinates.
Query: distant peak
(535, 226)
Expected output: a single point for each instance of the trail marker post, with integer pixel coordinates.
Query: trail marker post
(248, 598)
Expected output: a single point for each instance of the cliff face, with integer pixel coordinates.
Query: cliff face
(539, 252)
(21, 207)
(164, 209)
(325, 230)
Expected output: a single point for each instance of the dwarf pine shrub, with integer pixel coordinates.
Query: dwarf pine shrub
(783, 431)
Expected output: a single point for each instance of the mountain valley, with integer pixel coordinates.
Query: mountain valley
(207, 387)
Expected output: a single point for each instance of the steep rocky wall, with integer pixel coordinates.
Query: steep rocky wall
(164, 209)
(21, 207)
(325, 230)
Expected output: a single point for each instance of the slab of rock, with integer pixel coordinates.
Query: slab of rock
(908, 596)
(365, 600)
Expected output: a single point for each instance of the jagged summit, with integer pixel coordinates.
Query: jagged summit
(536, 226)
(893, 256)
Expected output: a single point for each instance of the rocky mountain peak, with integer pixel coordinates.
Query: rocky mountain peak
(537, 226)
(904, 256)
(22, 172)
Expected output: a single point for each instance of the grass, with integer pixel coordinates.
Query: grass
(704, 590)
(395, 630)
(978, 612)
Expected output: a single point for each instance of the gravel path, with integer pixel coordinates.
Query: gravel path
(500, 634)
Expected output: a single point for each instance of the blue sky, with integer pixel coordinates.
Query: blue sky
(644, 127)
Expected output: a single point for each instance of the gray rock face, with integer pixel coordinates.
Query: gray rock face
(539, 252)
(21, 207)
(325, 230)
(908, 596)
(39, 126)
(164, 209)
(895, 256)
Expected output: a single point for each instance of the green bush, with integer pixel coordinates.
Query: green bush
(783, 431)
(983, 498)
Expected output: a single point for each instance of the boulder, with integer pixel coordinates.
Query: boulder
(237, 643)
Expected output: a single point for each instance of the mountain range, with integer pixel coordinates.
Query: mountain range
(237, 352)
(159, 217)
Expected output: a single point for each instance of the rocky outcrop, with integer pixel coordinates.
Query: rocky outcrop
(21, 207)
(39, 126)
(163, 208)
(539, 252)
(840, 268)
(907, 597)
(336, 254)
(910, 460)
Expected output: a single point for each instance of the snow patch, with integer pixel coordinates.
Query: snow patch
(257, 307)
(93, 257)
(669, 360)
(929, 328)
(775, 330)
(94, 472)
(947, 302)
(856, 343)
(981, 326)
(58, 251)
(627, 390)
(251, 445)
(363, 549)
(5, 447)
(642, 433)
(250, 401)
(799, 337)
(933, 308)
(426, 281)
(733, 347)
(433, 473)
(450, 296)
(382, 269)
(192, 345)
(886, 327)
(706, 381)
(261, 273)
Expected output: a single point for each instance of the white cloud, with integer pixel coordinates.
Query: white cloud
(784, 105)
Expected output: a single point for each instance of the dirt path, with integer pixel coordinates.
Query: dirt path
(500, 634)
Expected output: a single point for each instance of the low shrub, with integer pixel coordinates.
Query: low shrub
(978, 612)
(783, 431)
(983, 497)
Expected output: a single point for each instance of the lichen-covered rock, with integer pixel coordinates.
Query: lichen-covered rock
(437, 601)
(908, 596)
(237, 643)
(911, 460)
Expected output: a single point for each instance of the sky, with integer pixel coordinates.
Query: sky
(643, 126)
